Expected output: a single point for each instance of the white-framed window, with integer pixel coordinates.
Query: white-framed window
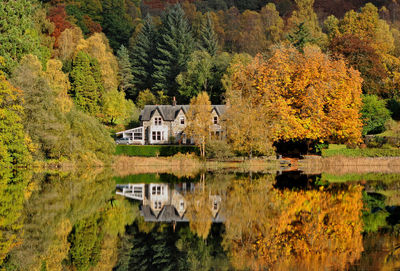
(158, 135)
(181, 205)
(215, 205)
(215, 120)
(154, 135)
(182, 120)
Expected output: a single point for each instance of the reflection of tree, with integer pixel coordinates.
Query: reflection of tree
(13, 190)
(199, 210)
(308, 229)
(57, 216)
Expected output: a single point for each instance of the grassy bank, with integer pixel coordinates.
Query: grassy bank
(154, 150)
(341, 150)
(185, 165)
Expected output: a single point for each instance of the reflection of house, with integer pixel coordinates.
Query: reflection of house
(164, 124)
(163, 203)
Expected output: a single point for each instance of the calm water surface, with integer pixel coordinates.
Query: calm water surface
(203, 221)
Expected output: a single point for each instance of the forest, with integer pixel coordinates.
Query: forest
(73, 72)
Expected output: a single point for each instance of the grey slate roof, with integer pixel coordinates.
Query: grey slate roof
(169, 112)
(169, 214)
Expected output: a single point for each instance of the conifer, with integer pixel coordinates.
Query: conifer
(173, 50)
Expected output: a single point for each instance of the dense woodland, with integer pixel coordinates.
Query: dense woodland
(75, 71)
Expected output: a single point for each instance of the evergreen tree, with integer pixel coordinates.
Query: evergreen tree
(208, 39)
(300, 37)
(142, 55)
(86, 86)
(173, 50)
(116, 24)
(125, 71)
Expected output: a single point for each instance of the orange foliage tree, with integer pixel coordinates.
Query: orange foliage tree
(307, 96)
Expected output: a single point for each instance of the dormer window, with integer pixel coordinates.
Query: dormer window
(182, 121)
(157, 121)
(215, 120)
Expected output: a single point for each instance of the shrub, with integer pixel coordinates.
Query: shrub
(374, 115)
(154, 150)
(218, 149)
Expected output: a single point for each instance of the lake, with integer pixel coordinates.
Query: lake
(227, 219)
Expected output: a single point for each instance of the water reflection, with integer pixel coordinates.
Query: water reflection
(209, 221)
(266, 225)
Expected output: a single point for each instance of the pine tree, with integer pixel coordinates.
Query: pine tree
(86, 86)
(142, 55)
(173, 50)
(125, 72)
(208, 39)
(300, 37)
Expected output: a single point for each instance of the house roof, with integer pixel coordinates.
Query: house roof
(169, 214)
(169, 112)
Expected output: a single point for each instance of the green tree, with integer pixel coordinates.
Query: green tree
(142, 55)
(13, 147)
(300, 37)
(44, 120)
(208, 38)
(18, 35)
(197, 76)
(85, 239)
(374, 114)
(125, 71)
(115, 107)
(86, 85)
(304, 14)
(117, 25)
(173, 50)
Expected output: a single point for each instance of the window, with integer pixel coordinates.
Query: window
(153, 135)
(181, 205)
(158, 135)
(153, 190)
(215, 120)
(215, 205)
(158, 190)
(157, 121)
(182, 121)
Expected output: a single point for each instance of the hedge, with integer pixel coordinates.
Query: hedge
(367, 152)
(154, 150)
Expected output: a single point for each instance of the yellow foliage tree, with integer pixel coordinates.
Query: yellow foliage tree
(97, 46)
(59, 83)
(199, 120)
(305, 96)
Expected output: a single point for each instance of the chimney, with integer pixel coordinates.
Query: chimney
(173, 101)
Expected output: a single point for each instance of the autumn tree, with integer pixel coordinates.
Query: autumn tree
(98, 48)
(199, 120)
(307, 96)
(249, 122)
(58, 16)
(304, 14)
(13, 140)
(114, 106)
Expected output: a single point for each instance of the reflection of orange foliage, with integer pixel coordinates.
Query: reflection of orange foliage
(310, 230)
